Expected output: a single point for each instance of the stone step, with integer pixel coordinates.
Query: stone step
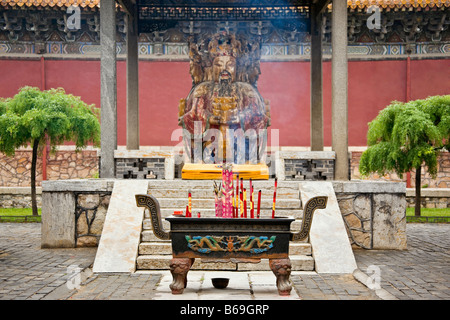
(165, 248)
(208, 193)
(147, 225)
(162, 262)
(210, 212)
(199, 204)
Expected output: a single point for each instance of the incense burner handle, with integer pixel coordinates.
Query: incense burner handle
(150, 202)
(308, 211)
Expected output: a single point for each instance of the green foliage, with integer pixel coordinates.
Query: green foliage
(405, 135)
(33, 115)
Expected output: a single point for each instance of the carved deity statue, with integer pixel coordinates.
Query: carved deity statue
(224, 116)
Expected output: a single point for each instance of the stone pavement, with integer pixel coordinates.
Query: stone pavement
(28, 272)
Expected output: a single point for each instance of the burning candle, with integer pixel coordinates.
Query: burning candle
(259, 204)
(245, 203)
(274, 198)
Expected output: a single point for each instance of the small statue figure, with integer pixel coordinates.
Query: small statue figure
(224, 113)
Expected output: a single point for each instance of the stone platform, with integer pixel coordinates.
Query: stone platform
(74, 211)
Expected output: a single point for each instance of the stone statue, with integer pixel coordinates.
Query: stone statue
(224, 116)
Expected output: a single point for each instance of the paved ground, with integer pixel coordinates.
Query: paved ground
(28, 272)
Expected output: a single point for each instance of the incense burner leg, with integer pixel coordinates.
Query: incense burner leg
(179, 267)
(282, 270)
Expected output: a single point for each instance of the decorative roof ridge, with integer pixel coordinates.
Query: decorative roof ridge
(352, 4)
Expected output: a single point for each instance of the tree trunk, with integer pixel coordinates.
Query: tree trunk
(417, 206)
(33, 177)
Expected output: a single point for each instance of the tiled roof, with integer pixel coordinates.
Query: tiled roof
(392, 4)
(50, 3)
(353, 4)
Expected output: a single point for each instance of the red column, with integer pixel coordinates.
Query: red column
(408, 98)
(45, 151)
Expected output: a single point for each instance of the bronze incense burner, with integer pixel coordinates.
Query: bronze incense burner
(230, 239)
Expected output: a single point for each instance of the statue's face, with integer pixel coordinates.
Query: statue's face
(224, 69)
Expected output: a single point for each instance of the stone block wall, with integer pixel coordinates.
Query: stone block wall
(309, 169)
(430, 197)
(15, 171)
(144, 168)
(374, 213)
(74, 211)
(19, 197)
(304, 165)
(442, 179)
(288, 165)
(145, 164)
(90, 214)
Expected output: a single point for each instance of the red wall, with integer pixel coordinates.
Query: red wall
(372, 86)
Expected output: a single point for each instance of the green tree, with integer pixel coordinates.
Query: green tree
(405, 136)
(33, 117)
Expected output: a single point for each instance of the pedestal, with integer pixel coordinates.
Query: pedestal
(196, 171)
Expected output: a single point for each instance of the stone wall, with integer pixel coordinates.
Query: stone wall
(74, 211)
(19, 197)
(145, 164)
(430, 197)
(374, 213)
(304, 165)
(15, 171)
(442, 179)
(289, 165)
(140, 168)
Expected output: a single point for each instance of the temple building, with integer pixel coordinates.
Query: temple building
(393, 50)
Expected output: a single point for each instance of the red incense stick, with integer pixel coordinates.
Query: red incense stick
(259, 204)
(274, 199)
(245, 203)
(190, 204)
(252, 209)
(237, 196)
(241, 211)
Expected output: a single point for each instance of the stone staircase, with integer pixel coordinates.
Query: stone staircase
(155, 254)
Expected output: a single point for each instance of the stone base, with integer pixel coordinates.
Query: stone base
(193, 171)
(144, 164)
(304, 165)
